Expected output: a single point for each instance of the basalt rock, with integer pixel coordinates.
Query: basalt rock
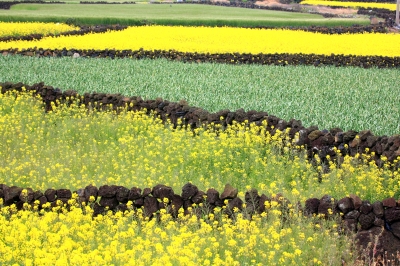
(110, 202)
(356, 201)
(122, 194)
(51, 194)
(107, 191)
(229, 192)
(345, 205)
(176, 204)
(376, 242)
(234, 204)
(311, 206)
(91, 191)
(134, 194)
(377, 208)
(366, 220)
(150, 206)
(212, 196)
(198, 197)
(188, 191)
(326, 205)
(392, 214)
(28, 196)
(162, 191)
(11, 194)
(352, 215)
(64, 193)
(365, 207)
(389, 202)
(146, 192)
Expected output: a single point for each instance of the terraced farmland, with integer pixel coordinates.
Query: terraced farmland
(138, 153)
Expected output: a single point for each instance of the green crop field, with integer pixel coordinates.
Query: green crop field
(182, 14)
(350, 98)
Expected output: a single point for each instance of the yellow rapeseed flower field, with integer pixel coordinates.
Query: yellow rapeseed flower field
(388, 6)
(223, 40)
(57, 236)
(27, 28)
(71, 148)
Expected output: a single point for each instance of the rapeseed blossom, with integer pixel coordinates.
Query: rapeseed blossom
(29, 28)
(223, 40)
(74, 237)
(388, 6)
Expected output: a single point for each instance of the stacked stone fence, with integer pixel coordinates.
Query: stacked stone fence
(376, 225)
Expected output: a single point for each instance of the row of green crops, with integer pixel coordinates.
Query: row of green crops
(350, 98)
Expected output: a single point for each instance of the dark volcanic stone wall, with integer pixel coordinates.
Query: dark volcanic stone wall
(227, 58)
